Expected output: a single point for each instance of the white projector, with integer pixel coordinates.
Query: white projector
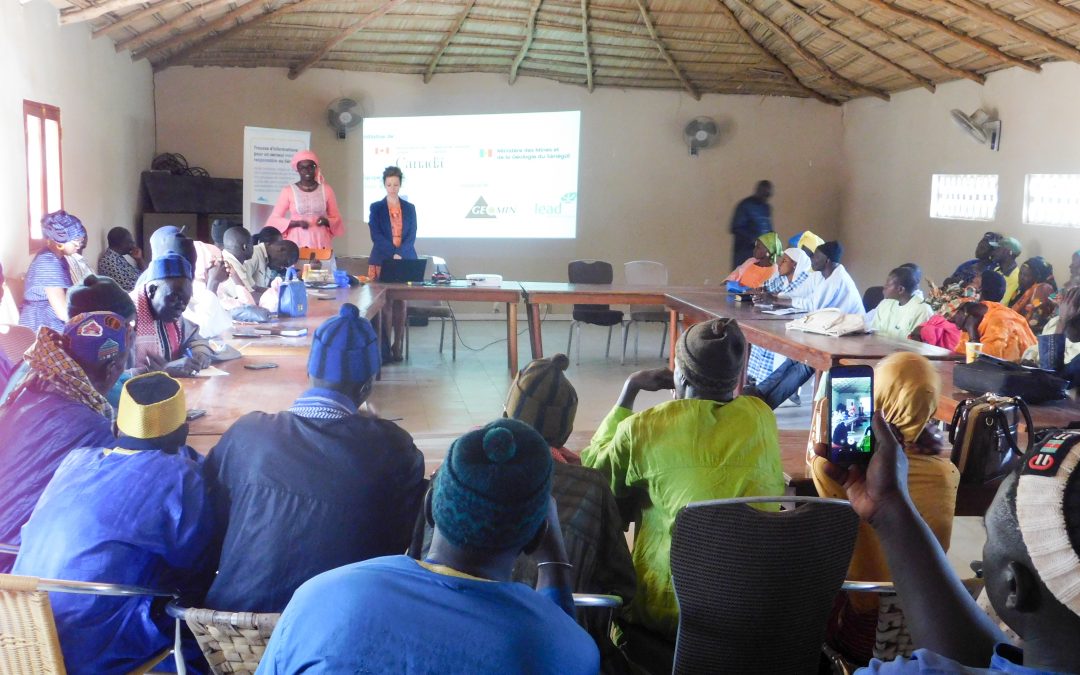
(484, 279)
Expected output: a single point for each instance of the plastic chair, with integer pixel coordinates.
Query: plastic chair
(28, 639)
(14, 341)
(592, 272)
(647, 273)
(873, 297)
(433, 309)
(232, 642)
(747, 579)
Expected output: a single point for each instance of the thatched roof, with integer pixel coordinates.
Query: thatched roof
(832, 50)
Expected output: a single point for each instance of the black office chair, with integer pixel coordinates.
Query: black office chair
(747, 578)
(592, 272)
(873, 297)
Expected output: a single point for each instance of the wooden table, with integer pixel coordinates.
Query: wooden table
(509, 292)
(820, 352)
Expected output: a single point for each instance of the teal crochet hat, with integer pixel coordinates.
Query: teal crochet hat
(491, 493)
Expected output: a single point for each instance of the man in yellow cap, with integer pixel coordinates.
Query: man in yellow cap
(136, 513)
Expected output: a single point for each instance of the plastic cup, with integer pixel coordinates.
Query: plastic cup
(972, 350)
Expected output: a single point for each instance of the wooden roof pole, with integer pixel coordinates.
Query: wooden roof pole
(770, 57)
(135, 17)
(446, 41)
(852, 42)
(940, 27)
(824, 68)
(79, 14)
(1063, 12)
(585, 44)
(978, 12)
(942, 64)
(170, 25)
(342, 36)
(530, 31)
(664, 52)
(197, 32)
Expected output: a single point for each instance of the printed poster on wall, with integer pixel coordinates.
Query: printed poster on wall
(266, 169)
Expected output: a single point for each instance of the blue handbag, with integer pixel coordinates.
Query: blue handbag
(292, 295)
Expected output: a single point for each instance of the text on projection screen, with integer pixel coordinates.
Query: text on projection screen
(480, 176)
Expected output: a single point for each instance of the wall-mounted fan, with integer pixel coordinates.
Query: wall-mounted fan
(700, 133)
(980, 126)
(344, 114)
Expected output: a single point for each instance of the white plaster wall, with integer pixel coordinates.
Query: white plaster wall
(640, 194)
(892, 149)
(106, 112)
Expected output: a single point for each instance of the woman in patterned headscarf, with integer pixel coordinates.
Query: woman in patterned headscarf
(1037, 293)
(49, 275)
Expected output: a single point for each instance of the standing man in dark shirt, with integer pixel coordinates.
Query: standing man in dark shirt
(315, 487)
(752, 218)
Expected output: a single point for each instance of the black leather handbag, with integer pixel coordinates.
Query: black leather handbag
(983, 436)
(988, 375)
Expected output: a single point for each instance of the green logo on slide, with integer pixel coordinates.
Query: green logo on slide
(569, 197)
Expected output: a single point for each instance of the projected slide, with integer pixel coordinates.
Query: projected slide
(480, 176)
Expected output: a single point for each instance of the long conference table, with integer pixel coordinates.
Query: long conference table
(245, 390)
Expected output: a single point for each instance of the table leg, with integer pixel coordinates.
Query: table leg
(512, 337)
(673, 335)
(536, 340)
(378, 339)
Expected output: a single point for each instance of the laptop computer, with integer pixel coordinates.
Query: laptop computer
(395, 271)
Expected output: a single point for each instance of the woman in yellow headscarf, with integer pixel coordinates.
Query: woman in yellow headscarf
(757, 270)
(906, 390)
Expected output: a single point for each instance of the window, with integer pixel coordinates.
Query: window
(44, 185)
(1052, 199)
(964, 196)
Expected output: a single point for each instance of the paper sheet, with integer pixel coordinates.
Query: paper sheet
(211, 371)
(783, 311)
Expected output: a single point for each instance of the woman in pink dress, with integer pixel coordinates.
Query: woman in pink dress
(306, 211)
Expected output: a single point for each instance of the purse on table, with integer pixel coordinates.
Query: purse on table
(987, 374)
(292, 295)
(983, 436)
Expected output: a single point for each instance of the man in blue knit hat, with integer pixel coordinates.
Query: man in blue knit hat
(317, 486)
(456, 611)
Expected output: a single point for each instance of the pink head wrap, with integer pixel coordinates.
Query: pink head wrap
(305, 155)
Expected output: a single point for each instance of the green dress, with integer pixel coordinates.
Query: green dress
(665, 457)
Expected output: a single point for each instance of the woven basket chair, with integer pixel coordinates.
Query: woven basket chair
(232, 642)
(28, 639)
(755, 588)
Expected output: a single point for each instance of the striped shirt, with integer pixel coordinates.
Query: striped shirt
(323, 404)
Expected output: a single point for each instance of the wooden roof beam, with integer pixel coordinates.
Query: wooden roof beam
(664, 52)
(859, 47)
(1008, 25)
(198, 31)
(447, 40)
(80, 14)
(177, 22)
(137, 16)
(941, 27)
(585, 45)
(1061, 11)
(770, 57)
(530, 32)
(836, 78)
(892, 36)
(342, 36)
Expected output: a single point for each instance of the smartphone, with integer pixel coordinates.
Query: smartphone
(260, 366)
(851, 408)
(195, 414)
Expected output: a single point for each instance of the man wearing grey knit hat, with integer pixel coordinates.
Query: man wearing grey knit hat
(456, 611)
(708, 443)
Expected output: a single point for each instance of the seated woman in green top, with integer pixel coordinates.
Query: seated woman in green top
(902, 310)
(708, 443)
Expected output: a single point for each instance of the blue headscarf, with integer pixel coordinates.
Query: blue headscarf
(62, 227)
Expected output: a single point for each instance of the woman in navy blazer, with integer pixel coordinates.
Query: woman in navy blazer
(393, 235)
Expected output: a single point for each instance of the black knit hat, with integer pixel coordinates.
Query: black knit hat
(832, 250)
(100, 294)
(710, 355)
(491, 493)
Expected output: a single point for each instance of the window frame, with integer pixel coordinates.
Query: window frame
(45, 113)
(934, 177)
(1028, 219)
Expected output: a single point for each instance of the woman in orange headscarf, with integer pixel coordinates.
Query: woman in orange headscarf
(306, 211)
(906, 390)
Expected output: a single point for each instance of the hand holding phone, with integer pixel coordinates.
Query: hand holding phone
(851, 410)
